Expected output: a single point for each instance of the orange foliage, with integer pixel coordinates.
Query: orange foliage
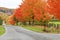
(31, 8)
(53, 7)
(11, 20)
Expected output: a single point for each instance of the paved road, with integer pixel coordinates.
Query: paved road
(19, 33)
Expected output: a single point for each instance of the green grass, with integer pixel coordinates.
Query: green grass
(41, 28)
(38, 28)
(34, 28)
(2, 30)
(55, 22)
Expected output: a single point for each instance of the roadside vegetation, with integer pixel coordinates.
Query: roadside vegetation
(53, 27)
(36, 15)
(2, 30)
(40, 29)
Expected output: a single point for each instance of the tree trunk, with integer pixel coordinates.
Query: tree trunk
(24, 23)
(29, 22)
(33, 20)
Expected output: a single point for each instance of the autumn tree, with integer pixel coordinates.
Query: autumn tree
(53, 7)
(31, 10)
(10, 20)
(26, 10)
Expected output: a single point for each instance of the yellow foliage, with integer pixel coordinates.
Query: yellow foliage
(7, 19)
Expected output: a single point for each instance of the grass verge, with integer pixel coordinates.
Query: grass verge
(2, 30)
(33, 28)
(41, 28)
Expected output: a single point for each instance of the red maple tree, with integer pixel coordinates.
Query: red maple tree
(31, 10)
(53, 7)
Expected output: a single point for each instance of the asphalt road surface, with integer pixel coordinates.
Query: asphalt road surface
(19, 33)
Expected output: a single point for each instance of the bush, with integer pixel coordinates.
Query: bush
(1, 21)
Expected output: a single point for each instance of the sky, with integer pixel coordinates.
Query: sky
(10, 3)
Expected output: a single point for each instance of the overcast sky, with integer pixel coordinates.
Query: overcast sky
(10, 3)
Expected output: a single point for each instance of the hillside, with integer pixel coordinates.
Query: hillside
(6, 10)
